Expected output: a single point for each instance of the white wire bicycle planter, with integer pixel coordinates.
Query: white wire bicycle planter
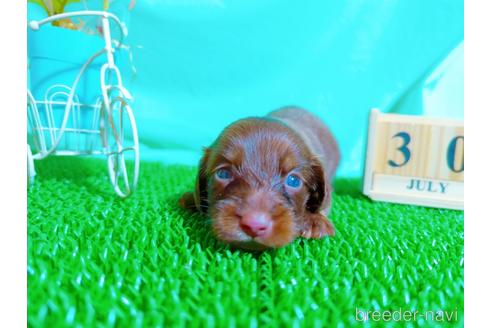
(106, 127)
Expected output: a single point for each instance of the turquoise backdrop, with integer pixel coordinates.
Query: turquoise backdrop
(202, 64)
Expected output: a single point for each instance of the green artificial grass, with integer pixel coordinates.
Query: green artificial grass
(97, 260)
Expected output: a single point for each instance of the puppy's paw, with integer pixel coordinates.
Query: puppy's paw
(317, 226)
(187, 201)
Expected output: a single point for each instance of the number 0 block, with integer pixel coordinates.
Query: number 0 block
(415, 160)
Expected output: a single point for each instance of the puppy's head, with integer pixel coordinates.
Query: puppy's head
(257, 182)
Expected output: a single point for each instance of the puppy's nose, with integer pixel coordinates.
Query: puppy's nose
(256, 224)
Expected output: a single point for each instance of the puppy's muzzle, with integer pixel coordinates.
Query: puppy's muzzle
(256, 224)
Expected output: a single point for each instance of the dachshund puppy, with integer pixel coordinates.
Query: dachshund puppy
(266, 181)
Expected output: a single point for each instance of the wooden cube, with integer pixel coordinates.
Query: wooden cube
(415, 160)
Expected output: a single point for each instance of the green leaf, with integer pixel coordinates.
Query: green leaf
(53, 7)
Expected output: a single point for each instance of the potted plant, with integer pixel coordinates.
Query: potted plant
(58, 50)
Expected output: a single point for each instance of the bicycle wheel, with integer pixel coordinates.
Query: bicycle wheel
(31, 172)
(120, 144)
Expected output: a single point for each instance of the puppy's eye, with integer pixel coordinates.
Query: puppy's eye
(293, 181)
(223, 174)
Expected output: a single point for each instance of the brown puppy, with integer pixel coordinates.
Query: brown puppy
(265, 181)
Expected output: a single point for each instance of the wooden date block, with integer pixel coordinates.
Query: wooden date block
(415, 160)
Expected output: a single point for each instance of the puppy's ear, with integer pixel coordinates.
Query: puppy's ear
(201, 193)
(319, 188)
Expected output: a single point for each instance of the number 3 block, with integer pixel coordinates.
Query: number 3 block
(415, 160)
